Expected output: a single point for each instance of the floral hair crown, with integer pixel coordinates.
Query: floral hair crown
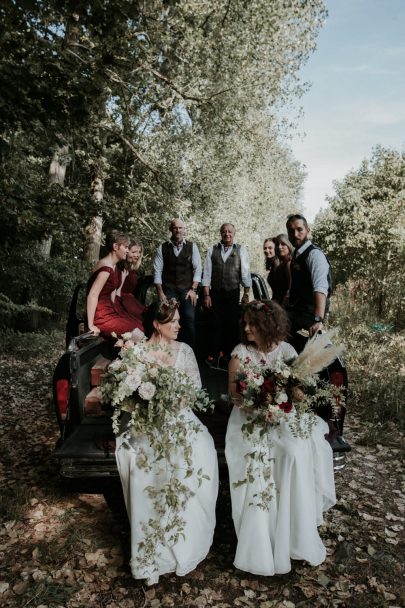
(259, 305)
(167, 306)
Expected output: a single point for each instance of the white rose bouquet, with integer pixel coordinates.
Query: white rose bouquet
(148, 400)
(152, 394)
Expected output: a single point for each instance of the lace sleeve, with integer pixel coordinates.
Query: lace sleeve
(288, 351)
(240, 352)
(188, 363)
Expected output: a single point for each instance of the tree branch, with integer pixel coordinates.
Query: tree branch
(184, 95)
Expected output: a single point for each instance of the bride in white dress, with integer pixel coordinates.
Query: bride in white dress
(162, 326)
(302, 470)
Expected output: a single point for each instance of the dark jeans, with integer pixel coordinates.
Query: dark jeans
(225, 315)
(187, 314)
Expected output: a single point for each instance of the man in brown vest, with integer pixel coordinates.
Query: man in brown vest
(226, 268)
(177, 273)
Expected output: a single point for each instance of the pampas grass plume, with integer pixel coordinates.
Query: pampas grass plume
(319, 352)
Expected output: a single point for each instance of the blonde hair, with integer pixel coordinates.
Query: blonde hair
(135, 265)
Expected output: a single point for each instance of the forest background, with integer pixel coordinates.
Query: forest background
(124, 114)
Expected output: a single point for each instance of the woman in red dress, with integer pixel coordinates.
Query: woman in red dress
(102, 317)
(125, 301)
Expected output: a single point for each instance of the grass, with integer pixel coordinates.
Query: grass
(374, 358)
(14, 501)
(50, 594)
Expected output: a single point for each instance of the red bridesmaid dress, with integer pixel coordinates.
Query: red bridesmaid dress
(109, 318)
(127, 304)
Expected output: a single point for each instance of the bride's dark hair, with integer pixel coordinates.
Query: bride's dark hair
(162, 312)
(268, 318)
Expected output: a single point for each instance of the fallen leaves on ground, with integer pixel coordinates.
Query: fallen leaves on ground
(65, 549)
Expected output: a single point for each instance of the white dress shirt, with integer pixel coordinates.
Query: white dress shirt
(195, 260)
(246, 279)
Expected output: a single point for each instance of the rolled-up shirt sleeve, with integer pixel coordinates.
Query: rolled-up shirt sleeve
(206, 280)
(246, 278)
(196, 261)
(318, 267)
(158, 266)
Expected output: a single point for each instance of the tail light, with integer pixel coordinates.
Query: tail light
(337, 379)
(62, 397)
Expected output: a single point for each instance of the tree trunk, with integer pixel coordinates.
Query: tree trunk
(57, 172)
(95, 226)
(93, 241)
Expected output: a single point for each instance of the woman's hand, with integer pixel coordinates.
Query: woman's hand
(95, 330)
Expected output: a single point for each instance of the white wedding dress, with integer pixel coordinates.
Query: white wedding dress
(304, 487)
(199, 513)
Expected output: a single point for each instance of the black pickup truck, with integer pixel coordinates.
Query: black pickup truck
(86, 447)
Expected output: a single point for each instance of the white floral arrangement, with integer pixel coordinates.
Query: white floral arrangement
(148, 399)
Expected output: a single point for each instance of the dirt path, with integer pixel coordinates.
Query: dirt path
(64, 549)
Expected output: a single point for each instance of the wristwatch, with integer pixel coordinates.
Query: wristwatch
(318, 319)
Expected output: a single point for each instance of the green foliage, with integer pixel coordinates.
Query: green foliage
(44, 283)
(24, 317)
(363, 232)
(374, 359)
(173, 106)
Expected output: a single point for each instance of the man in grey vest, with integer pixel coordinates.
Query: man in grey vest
(311, 283)
(177, 273)
(226, 267)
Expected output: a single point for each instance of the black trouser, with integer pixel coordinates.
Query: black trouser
(225, 314)
(186, 312)
(299, 319)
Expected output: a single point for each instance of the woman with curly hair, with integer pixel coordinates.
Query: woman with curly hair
(301, 484)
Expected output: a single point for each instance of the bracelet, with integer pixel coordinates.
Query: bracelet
(207, 295)
(194, 289)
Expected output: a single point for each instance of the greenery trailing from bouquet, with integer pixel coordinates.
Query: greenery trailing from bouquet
(149, 401)
(285, 392)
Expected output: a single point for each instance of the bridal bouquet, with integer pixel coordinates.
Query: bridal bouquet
(152, 394)
(286, 390)
(149, 400)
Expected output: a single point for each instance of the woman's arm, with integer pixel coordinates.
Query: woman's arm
(92, 299)
(124, 274)
(232, 369)
(190, 365)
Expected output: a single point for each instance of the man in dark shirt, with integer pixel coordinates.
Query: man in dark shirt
(177, 273)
